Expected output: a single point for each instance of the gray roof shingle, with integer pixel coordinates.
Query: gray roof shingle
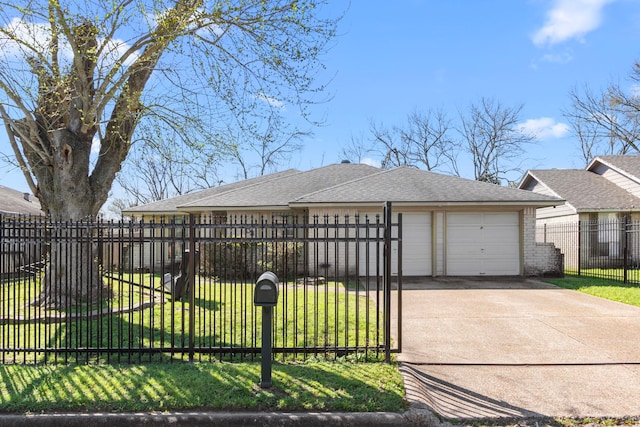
(586, 191)
(278, 193)
(170, 206)
(409, 185)
(14, 202)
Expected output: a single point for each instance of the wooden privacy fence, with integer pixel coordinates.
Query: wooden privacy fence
(183, 289)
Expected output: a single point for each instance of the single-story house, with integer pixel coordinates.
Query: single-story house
(451, 226)
(14, 250)
(600, 196)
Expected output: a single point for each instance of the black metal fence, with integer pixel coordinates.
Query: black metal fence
(94, 291)
(607, 249)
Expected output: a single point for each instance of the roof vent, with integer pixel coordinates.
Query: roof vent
(26, 196)
(344, 162)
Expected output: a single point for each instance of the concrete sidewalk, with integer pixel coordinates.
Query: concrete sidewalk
(519, 348)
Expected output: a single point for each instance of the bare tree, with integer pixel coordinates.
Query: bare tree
(162, 164)
(265, 148)
(358, 149)
(493, 139)
(424, 142)
(587, 135)
(76, 74)
(607, 122)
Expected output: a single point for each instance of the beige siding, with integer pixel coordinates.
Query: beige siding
(562, 232)
(549, 212)
(560, 213)
(336, 258)
(621, 180)
(539, 188)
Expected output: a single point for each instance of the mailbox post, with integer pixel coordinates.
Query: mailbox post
(266, 296)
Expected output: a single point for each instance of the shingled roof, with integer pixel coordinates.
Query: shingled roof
(15, 202)
(170, 206)
(348, 184)
(405, 185)
(277, 193)
(585, 191)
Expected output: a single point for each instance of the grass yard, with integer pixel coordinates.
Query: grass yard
(138, 315)
(308, 386)
(633, 275)
(142, 317)
(609, 289)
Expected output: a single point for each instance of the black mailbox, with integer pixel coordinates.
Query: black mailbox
(266, 292)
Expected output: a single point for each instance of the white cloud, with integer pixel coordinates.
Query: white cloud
(544, 128)
(371, 162)
(569, 19)
(113, 51)
(276, 103)
(35, 36)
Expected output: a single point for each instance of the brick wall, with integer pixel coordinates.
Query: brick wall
(540, 259)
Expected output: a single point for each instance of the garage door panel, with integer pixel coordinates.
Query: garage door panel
(416, 244)
(416, 247)
(483, 243)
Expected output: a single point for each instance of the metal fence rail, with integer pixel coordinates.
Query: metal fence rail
(183, 289)
(607, 249)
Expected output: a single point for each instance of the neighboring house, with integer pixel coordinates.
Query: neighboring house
(601, 196)
(16, 203)
(14, 250)
(451, 226)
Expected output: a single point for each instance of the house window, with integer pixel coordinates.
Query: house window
(287, 225)
(605, 231)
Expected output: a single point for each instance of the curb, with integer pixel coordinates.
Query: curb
(232, 419)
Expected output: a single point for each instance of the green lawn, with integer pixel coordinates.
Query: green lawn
(609, 289)
(633, 275)
(324, 316)
(308, 386)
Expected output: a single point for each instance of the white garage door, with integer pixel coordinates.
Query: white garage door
(416, 244)
(416, 247)
(483, 244)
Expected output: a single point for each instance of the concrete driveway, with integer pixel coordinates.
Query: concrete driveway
(484, 348)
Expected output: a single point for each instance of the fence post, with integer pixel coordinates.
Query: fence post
(400, 282)
(579, 245)
(387, 282)
(624, 248)
(192, 287)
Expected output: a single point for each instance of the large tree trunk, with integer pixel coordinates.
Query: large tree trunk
(72, 274)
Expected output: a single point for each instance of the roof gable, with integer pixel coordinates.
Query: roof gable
(585, 191)
(626, 165)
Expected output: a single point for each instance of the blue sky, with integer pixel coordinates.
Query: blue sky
(394, 57)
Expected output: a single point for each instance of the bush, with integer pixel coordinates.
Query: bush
(229, 260)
